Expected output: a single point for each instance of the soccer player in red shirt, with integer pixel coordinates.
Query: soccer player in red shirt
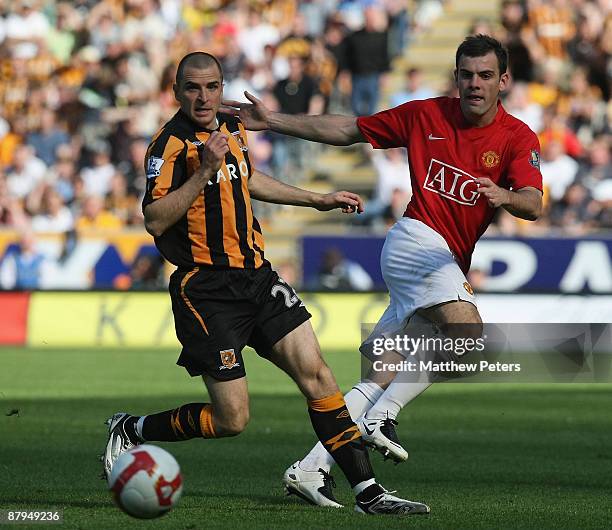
(467, 158)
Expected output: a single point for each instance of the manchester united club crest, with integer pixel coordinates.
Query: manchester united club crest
(468, 288)
(228, 359)
(490, 159)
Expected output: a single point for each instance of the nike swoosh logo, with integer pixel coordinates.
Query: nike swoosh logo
(368, 431)
(432, 137)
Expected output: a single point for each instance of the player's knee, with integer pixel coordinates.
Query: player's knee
(232, 422)
(233, 426)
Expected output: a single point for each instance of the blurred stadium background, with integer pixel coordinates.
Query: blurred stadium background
(85, 84)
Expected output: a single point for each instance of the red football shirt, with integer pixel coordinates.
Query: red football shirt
(446, 154)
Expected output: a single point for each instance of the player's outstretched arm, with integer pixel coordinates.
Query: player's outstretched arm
(265, 188)
(163, 213)
(525, 203)
(330, 129)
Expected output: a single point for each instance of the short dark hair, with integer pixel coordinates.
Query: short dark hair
(479, 45)
(199, 60)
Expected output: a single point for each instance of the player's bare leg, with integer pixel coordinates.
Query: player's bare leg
(299, 355)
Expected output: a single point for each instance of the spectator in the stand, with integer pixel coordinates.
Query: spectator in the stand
(10, 138)
(558, 169)
(22, 268)
(337, 273)
(323, 68)
(605, 42)
(513, 20)
(552, 24)
(520, 106)
(596, 172)
(583, 105)
(236, 88)
(334, 41)
(298, 42)
(254, 37)
(63, 37)
(481, 26)
(97, 176)
(232, 58)
(64, 173)
(145, 274)
(414, 88)
(392, 178)
(576, 211)
(94, 217)
(54, 216)
(298, 94)
(103, 29)
(118, 201)
(145, 22)
(554, 127)
(26, 172)
(585, 49)
(134, 172)
(397, 11)
(544, 90)
(427, 11)
(48, 138)
(26, 25)
(367, 59)
(12, 214)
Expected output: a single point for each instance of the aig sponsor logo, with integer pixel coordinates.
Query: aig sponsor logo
(452, 183)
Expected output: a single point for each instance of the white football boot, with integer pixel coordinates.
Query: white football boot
(376, 500)
(118, 441)
(315, 487)
(380, 434)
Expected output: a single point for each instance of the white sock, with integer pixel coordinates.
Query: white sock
(406, 385)
(395, 398)
(359, 399)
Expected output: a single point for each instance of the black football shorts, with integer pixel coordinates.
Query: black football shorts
(218, 312)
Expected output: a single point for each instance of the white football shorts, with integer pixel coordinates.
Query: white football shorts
(420, 271)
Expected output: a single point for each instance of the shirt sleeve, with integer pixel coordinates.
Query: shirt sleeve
(389, 128)
(165, 168)
(524, 169)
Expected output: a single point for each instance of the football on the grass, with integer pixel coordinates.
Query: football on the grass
(146, 482)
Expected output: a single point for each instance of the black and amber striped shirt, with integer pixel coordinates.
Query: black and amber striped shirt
(219, 229)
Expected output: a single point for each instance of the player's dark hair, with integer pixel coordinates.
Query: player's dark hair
(198, 59)
(479, 45)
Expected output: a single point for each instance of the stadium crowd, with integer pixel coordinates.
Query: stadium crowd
(84, 85)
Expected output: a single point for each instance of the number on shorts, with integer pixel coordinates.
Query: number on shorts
(287, 291)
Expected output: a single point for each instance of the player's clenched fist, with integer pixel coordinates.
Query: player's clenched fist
(495, 195)
(213, 151)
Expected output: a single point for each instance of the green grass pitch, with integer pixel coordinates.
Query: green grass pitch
(482, 456)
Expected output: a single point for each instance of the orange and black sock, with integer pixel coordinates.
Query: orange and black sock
(341, 437)
(193, 420)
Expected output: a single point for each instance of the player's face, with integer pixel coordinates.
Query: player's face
(199, 93)
(479, 84)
